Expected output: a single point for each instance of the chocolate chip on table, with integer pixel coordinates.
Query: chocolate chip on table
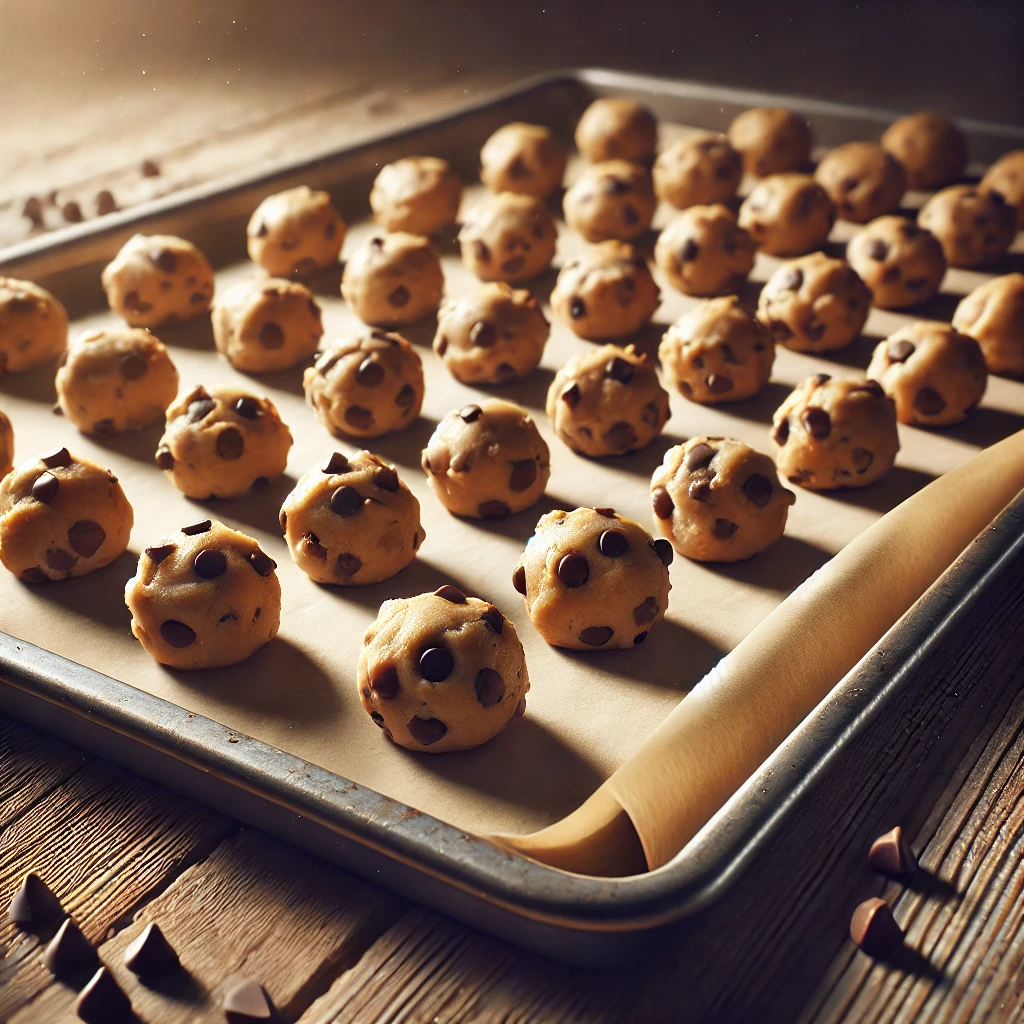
(384, 682)
(758, 489)
(489, 686)
(200, 408)
(72, 212)
(230, 444)
(164, 459)
(619, 369)
(577, 309)
(248, 408)
(612, 543)
(386, 479)
(86, 537)
(197, 528)
(571, 395)
(246, 1000)
(449, 593)
(69, 952)
(573, 570)
(271, 336)
(45, 488)
(493, 619)
(817, 422)
(781, 432)
(336, 464)
(34, 905)
(522, 475)
(891, 855)
(150, 169)
(105, 202)
(596, 636)
(663, 549)
(133, 365)
(150, 955)
(718, 385)
(370, 373)
(724, 528)
(210, 563)
(483, 335)
(347, 564)
(177, 634)
(928, 402)
(899, 351)
(436, 664)
(57, 459)
(662, 503)
(493, 509)
(874, 928)
(519, 579)
(103, 1002)
(405, 398)
(158, 554)
(427, 730)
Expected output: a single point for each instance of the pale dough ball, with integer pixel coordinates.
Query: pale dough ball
(932, 150)
(615, 128)
(933, 373)
(158, 279)
(492, 335)
(522, 158)
(612, 199)
(718, 500)
(717, 352)
(366, 385)
(222, 444)
(33, 326)
(771, 140)
(593, 580)
(265, 324)
(6, 446)
(295, 233)
(116, 380)
(418, 194)
(393, 279)
(973, 227)
(607, 291)
(703, 251)
(993, 314)
(815, 303)
(508, 237)
(487, 461)
(863, 180)
(352, 521)
(61, 516)
(607, 401)
(698, 170)
(830, 434)
(442, 671)
(788, 214)
(1006, 176)
(205, 597)
(901, 263)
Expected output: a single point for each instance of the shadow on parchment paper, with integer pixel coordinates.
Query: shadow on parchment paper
(419, 577)
(420, 333)
(446, 241)
(258, 509)
(139, 445)
(403, 448)
(748, 293)
(35, 385)
(895, 487)
(98, 596)
(783, 567)
(856, 355)
(530, 392)
(194, 334)
(761, 407)
(985, 426)
(289, 381)
(521, 525)
(647, 339)
(1011, 263)
(327, 282)
(644, 462)
(541, 286)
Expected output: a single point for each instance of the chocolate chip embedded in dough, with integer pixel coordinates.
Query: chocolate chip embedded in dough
(596, 636)
(724, 528)
(489, 686)
(817, 422)
(719, 384)
(573, 570)
(450, 593)
(436, 664)
(899, 351)
(384, 682)
(370, 373)
(230, 444)
(196, 528)
(133, 365)
(663, 549)
(571, 395)
(689, 252)
(164, 459)
(470, 413)
(862, 459)
(758, 489)
(378, 719)
(177, 634)
(33, 574)
(792, 279)
(271, 335)
(347, 564)
(699, 456)
(874, 929)
(514, 265)
(493, 619)
(399, 297)
(877, 250)
(386, 479)
(336, 464)
(699, 489)
(662, 503)
(86, 537)
(612, 543)
(483, 335)
(608, 513)
(159, 553)
(210, 563)
(427, 730)
(522, 475)
(646, 612)
(928, 402)
(45, 488)
(405, 398)
(248, 408)
(781, 432)
(519, 579)
(577, 309)
(619, 369)
(346, 501)
(821, 378)
(57, 459)
(262, 563)
(358, 417)
(312, 548)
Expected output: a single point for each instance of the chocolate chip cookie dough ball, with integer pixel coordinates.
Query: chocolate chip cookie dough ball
(442, 671)
(815, 303)
(901, 263)
(698, 170)
(116, 380)
(366, 385)
(352, 521)
(607, 291)
(932, 150)
(718, 500)
(418, 194)
(205, 597)
(61, 516)
(788, 215)
(158, 279)
(613, 199)
(222, 444)
(717, 352)
(993, 314)
(933, 373)
(492, 335)
(295, 233)
(1006, 176)
(704, 251)
(487, 461)
(607, 401)
(6, 446)
(593, 580)
(33, 326)
(830, 434)
(771, 140)
(393, 279)
(973, 227)
(863, 180)
(522, 158)
(508, 237)
(615, 128)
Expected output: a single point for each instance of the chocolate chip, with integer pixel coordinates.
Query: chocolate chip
(134, 304)
(200, 409)
(517, 169)
(792, 279)
(150, 955)
(514, 265)
(571, 395)
(608, 513)
(493, 619)
(405, 398)
(378, 719)
(246, 1000)
(891, 855)
(620, 436)
(441, 346)
(346, 501)
(427, 730)
(45, 488)
(164, 458)
(196, 528)
(470, 413)
(699, 489)
(399, 297)
(72, 212)
(758, 489)
(780, 331)
(34, 905)
(370, 373)
(519, 579)
(489, 686)
(689, 252)
(577, 309)
(33, 574)
(336, 464)
(386, 479)
(928, 402)
(436, 664)
(312, 548)
(57, 459)
(33, 210)
(781, 432)
(899, 351)
(724, 528)
(597, 636)
(384, 682)
(639, 638)
(619, 369)
(69, 952)
(891, 275)
(612, 543)
(230, 443)
(271, 335)
(718, 385)
(177, 634)
(133, 365)
(158, 554)
(86, 537)
(493, 509)
(481, 252)
(662, 503)
(573, 570)
(210, 563)
(358, 417)
(347, 564)
(483, 335)
(874, 928)
(150, 169)
(862, 459)
(522, 475)
(449, 593)
(646, 612)
(817, 422)
(165, 260)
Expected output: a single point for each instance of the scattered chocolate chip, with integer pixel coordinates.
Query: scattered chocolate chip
(493, 509)
(177, 634)
(928, 402)
(489, 686)
(45, 488)
(619, 369)
(596, 636)
(646, 612)
(384, 682)
(150, 169)
(164, 458)
(197, 528)
(336, 464)
(718, 385)
(86, 537)
(210, 563)
(449, 593)
(427, 730)
(493, 619)
(271, 335)
(571, 395)
(758, 489)
(483, 335)
(891, 855)
(72, 212)
(689, 252)
(347, 564)
(899, 351)
(370, 373)
(150, 955)
(874, 928)
(620, 436)
(230, 443)
(158, 554)
(103, 1002)
(663, 550)
(577, 309)
(246, 1000)
(69, 952)
(436, 664)
(573, 570)
(386, 479)
(200, 409)
(34, 905)
(105, 202)
(522, 475)
(57, 459)
(817, 422)
(781, 432)
(612, 543)
(724, 528)
(662, 503)
(519, 579)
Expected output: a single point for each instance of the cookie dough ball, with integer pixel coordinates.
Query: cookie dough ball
(607, 401)
(815, 303)
(266, 324)
(698, 170)
(6, 446)
(973, 227)
(487, 461)
(492, 335)
(442, 671)
(205, 597)
(613, 199)
(116, 380)
(717, 352)
(593, 580)
(158, 279)
(863, 180)
(418, 194)
(222, 444)
(33, 326)
(771, 140)
(901, 263)
(830, 434)
(993, 314)
(788, 215)
(704, 251)
(393, 279)
(933, 373)
(295, 233)
(61, 516)
(1006, 176)
(366, 385)
(508, 237)
(522, 158)
(607, 291)
(718, 500)
(932, 150)
(352, 521)
(615, 128)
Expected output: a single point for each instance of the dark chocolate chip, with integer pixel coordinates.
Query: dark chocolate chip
(891, 855)
(271, 335)
(821, 378)
(230, 443)
(817, 422)
(347, 564)
(158, 554)
(164, 458)
(662, 503)
(522, 475)
(862, 459)
(699, 489)
(336, 464)
(792, 279)
(133, 365)
(384, 682)
(210, 563)
(150, 955)
(630, 215)
(596, 636)
(689, 252)
(899, 351)
(57, 459)
(248, 408)
(916, 284)
(436, 664)
(427, 730)
(449, 593)
(470, 413)
(165, 260)
(724, 528)
(719, 385)
(358, 417)
(699, 456)
(489, 686)
(196, 298)
(378, 719)
(577, 309)
(196, 528)
(619, 369)
(200, 409)
(493, 619)
(283, 520)
(45, 488)
(34, 905)
(646, 612)
(399, 297)
(639, 638)
(874, 928)
(134, 304)
(86, 537)
(346, 501)
(150, 169)
(483, 335)
(781, 432)
(612, 543)
(177, 634)
(620, 436)
(573, 570)
(493, 509)
(928, 402)
(72, 212)
(663, 549)
(517, 169)
(481, 252)
(33, 574)
(405, 398)
(370, 373)
(386, 479)
(758, 489)
(69, 952)
(571, 395)
(312, 548)
(246, 1000)
(519, 579)
(891, 275)
(608, 513)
